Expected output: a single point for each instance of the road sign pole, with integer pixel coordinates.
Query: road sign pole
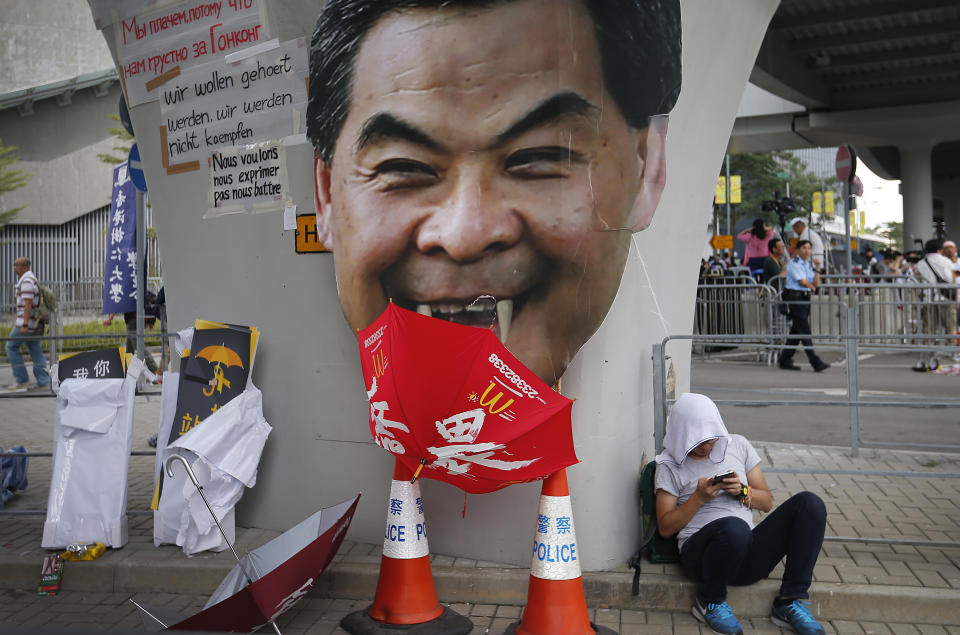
(141, 258)
(135, 170)
(846, 164)
(716, 226)
(729, 226)
(849, 206)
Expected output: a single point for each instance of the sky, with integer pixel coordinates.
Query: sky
(881, 199)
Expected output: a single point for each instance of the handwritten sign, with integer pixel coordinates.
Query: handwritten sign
(154, 47)
(107, 12)
(247, 179)
(259, 98)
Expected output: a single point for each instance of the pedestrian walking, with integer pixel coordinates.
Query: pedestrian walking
(939, 311)
(801, 281)
(26, 326)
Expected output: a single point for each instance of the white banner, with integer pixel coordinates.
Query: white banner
(405, 534)
(555, 554)
(153, 47)
(260, 97)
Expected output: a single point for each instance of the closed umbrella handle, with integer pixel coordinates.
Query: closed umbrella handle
(196, 483)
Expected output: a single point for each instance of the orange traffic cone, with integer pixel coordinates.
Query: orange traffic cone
(556, 603)
(406, 598)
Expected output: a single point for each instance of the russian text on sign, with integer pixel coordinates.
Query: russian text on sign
(149, 44)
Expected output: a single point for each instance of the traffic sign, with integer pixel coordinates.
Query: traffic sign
(856, 185)
(722, 241)
(125, 115)
(136, 169)
(846, 163)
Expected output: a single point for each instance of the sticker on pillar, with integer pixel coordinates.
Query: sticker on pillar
(308, 240)
(555, 555)
(405, 533)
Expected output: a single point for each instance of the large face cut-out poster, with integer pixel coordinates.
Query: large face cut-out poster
(487, 162)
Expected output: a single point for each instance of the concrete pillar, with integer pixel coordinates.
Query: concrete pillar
(947, 190)
(320, 451)
(917, 189)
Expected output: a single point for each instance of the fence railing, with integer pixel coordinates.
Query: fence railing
(74, 297)
(901, 311)
(85, 335)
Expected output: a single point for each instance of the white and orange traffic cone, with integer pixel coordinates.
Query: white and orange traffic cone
(556, 603)
(406, 598)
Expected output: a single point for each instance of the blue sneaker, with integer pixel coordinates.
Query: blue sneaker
(719, 617)
(797, 616)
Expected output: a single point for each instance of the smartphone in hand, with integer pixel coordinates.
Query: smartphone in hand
(719, 477)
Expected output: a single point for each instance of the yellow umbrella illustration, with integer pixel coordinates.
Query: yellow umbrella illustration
(220, 356)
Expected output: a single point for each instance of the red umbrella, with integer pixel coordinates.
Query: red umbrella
(452, 399)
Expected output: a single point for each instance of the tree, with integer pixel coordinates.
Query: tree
(892, 231)
(10, 180)
(124, 138)
(764, 173)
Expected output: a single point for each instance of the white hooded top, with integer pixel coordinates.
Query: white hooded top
(693, 420)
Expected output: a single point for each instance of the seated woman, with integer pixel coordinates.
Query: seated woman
(708, 482)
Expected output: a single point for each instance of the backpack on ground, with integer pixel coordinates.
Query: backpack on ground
(660, 550)
(13, 474)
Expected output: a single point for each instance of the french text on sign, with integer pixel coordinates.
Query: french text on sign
(247, 179)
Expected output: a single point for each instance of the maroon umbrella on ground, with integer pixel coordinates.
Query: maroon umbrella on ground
(268, 580)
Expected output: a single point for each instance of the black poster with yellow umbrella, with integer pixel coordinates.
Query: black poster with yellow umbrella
(212, 372)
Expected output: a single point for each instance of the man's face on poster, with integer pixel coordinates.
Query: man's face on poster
(483, 157)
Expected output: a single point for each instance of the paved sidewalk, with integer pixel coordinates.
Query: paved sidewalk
(321, 616)
(859, 587)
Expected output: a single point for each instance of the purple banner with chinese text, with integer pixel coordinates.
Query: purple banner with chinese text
(119, 270)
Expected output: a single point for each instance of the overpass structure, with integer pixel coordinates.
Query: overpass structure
(882, 75)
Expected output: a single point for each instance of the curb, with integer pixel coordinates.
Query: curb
(491, 585)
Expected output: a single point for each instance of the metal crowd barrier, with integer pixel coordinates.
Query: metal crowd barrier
(901, 310)
(55, 339)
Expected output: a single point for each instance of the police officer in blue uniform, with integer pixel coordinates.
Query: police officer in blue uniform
(801, 282)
